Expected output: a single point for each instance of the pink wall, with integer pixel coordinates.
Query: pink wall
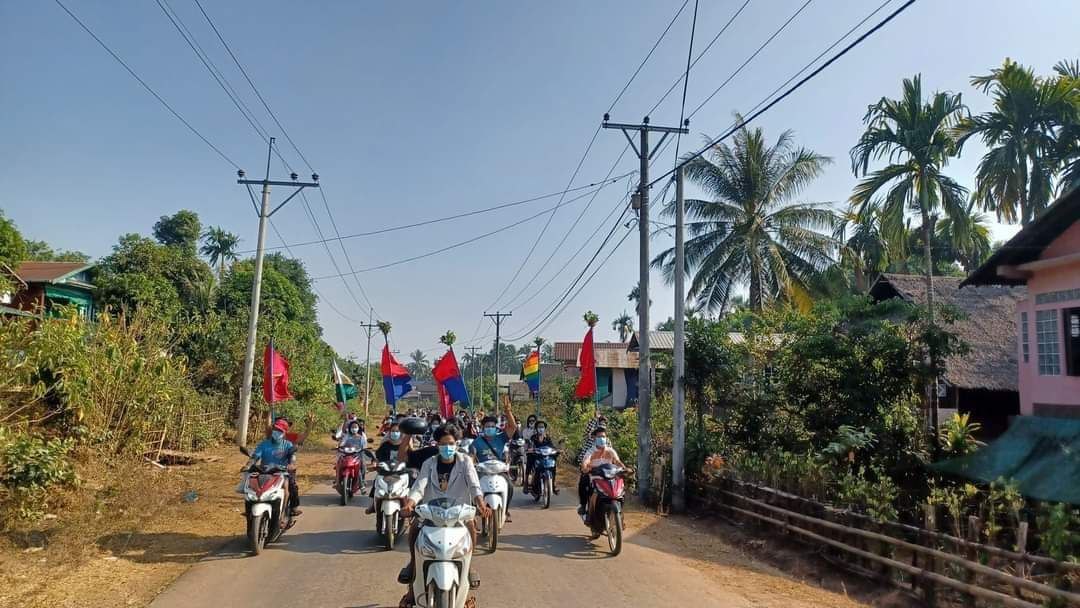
(1053, 390)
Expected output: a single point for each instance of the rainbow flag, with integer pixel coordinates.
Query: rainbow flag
(530, 372)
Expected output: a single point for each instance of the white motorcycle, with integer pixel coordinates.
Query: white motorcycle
(443, 554)
(391, 488)
(496, 495)
(266, 499)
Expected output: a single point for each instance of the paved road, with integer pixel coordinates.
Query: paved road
(331, 558)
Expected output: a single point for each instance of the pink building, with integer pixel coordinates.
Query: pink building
(1045, 256)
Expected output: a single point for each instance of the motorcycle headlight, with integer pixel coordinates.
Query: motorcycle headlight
(426, 549)
(250, 494)
(461, 548)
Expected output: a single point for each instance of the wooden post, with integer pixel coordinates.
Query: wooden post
(1021, 547)
(973, 532)
(930, 525)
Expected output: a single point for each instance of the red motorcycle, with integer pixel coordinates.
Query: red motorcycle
(605, 506)
(350, 479)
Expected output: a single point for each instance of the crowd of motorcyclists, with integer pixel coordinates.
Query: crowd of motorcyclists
(442, 457)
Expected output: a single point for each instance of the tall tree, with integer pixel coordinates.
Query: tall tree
(1067, 153)
(219, 245)
(624, 324)
(12, 244)
(751, 232)
(1015, 177)
(916, 137)
(863, 250)
(181, 230)
(419, 366)
(635, 297)
(966, 238)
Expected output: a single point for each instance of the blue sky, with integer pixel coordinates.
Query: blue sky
(410, 111)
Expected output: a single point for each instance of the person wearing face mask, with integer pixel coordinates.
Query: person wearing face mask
(530, 427)
(277, 450)
(601, 454)
(491, 445)
(540, 439)
(448, 474)
(387, 452)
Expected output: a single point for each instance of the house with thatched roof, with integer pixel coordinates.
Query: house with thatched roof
(985, 381)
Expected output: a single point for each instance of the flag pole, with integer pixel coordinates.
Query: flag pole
(539, 380)
(596, 382)
(270, 403)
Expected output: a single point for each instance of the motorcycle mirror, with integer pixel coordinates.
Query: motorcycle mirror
(245, 451)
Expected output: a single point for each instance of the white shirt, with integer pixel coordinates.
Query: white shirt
(462, 487)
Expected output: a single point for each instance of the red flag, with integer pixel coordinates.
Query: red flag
(275, 376)
(446, 407)
(586, 385)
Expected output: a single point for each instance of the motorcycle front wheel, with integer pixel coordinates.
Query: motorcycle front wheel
(614, 531)
(257, 532)
(546, 491)
(343, 489)
(390, 530)
(439, 598)
(493, 530)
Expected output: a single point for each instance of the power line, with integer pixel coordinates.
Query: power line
(686, 82)
(146, 86)
(651, 51)
(313, 286)
(791, 90)
(454, 245)
(456, 216)
(745, 63)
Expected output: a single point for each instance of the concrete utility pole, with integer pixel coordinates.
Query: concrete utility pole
(370, 327)
(264, 212)
(678, 438)
(641, 203)
(480, 391)
(498, 317)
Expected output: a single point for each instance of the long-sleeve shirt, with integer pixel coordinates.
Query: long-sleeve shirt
(462, 486)
(587, 441)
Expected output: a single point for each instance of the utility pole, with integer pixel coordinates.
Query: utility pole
(480, 391)
(678, 435)
(641, 204)
(370, 327)
(264, 212)
(498, 317)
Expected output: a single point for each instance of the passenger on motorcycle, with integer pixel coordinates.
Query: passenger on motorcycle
(601, 454)
(491, 445)
(276, 450)
(539, 440)
(448, 474)
(530, 427)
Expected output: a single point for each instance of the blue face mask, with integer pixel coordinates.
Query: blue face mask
(277, 436)
(395, 435)
(541, 430)
(490, 431)
(447, 451)
(601, 442)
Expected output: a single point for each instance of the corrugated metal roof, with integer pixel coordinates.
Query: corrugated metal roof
(48, 272)
(567, 352)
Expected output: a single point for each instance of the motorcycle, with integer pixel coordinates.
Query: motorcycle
(543, 480)
(443, 553)
(496, 494)
(517, 461)
(349, 476)
(391, 488)
(266, 499)
(605, 507)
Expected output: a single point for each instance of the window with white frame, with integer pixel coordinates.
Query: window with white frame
(1025, 344)
(1048, 341)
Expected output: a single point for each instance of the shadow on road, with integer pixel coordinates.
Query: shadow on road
(335, 542)
(163, 547)
(569, 546)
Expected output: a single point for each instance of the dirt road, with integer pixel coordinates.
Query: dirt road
(331, 558)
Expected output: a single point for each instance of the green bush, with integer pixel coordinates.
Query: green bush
(29, 467)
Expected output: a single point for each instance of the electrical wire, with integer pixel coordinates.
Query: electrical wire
(146, 86)
(790, 91)
(686, 83)
(651, 51)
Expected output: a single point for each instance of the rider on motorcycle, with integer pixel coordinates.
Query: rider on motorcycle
(448, 474)
(491, 445)
(539, 440)
(276, 450)
(388, 452)
(601, 454)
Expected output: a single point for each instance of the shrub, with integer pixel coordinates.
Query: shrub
(29, 467)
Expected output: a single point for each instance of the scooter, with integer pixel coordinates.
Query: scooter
(604, 513)
(543, 480)
(350, 480)
(266, 500)
(391, 488)
(496, 495)
(517, 461)
(443, 555)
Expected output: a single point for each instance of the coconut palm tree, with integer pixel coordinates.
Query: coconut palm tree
(419, 366)
(966, 238)
(1015, 177)
(863, 250)
(916, 137)
(1067, 154)
(624, 324)
(750, 232)
(220, 246)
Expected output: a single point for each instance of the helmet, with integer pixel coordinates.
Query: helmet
(281, 425)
